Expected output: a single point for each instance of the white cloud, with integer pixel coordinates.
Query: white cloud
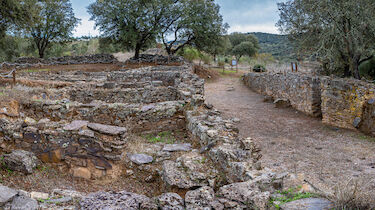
(86, 28)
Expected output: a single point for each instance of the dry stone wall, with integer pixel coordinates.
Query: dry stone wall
(348, 103)
(302, 91)
(345, 103)
(26, 62)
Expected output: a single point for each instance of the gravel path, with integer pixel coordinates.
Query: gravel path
(294, 142)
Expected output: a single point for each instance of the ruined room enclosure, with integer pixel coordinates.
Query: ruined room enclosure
(145, 130)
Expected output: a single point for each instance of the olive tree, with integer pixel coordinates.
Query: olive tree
(243, 45)
(341, 34)
(54, 22)
(196, 23)
(133, 23)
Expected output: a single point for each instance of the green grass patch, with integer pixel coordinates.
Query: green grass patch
(163, 137)
(365, 137)
(290, 195)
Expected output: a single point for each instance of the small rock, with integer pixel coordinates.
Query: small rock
(129, 172)
(39, 195)
(23, 202)
(86, 133)
(177, 147)
(281, 103)
(212, 133)
(356, 122)
(309, 203)
(22, 161)
(30, 121)
(81, 172)
(75, 125)
(208, 105)
(236, 120)
(169, 201)
(106, 129)
(141, 158)
(230, 89)
(6, 194)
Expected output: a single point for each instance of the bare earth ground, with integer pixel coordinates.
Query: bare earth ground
(294, 142)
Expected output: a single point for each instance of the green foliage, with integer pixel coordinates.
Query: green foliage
(205, 58)
(277, 45)
(290, 195)
(133, 23)
(340, 34)
(54, 22)
(367, 69)
(243, 45)
(163, 137)
(244, 49)
(192, 23)
(190, 54)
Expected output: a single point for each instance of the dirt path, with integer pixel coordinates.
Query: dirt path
(294, 142)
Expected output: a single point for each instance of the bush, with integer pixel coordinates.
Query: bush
(259, 68)
(221, 64)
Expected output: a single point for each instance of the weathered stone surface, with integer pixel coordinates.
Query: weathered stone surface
(117, 201)
(140, 158)
(106, 129)
(22, 161)
(309, 204)
(39, 195)
(75, 125)
(81, 172)
(170, 201)
(6, 194)
(189, 171)
(177, 147)
(23, 203)
(202, 198)
(303, 91)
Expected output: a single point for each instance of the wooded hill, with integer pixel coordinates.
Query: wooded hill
(277, 45)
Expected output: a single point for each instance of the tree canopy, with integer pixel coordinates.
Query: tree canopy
(341, 34)
(196, 22)
(54, 21)
(177, 23)
(243, 45)
(134, 23)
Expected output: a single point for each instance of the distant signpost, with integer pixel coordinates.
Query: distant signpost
(294, 67)
(234, 63)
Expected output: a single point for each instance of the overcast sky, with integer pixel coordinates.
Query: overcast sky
(241, 15)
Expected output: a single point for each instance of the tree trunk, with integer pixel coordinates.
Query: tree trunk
(41, 53)
(357, 75)
(347, 72)
(137, 51)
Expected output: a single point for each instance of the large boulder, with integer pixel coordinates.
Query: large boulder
(6, 195)
(117, 201)
(202, 198)
(24, 202)
(20, 160)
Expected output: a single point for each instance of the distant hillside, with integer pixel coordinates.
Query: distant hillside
(277, 45)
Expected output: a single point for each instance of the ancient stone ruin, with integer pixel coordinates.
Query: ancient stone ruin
(111, 125)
